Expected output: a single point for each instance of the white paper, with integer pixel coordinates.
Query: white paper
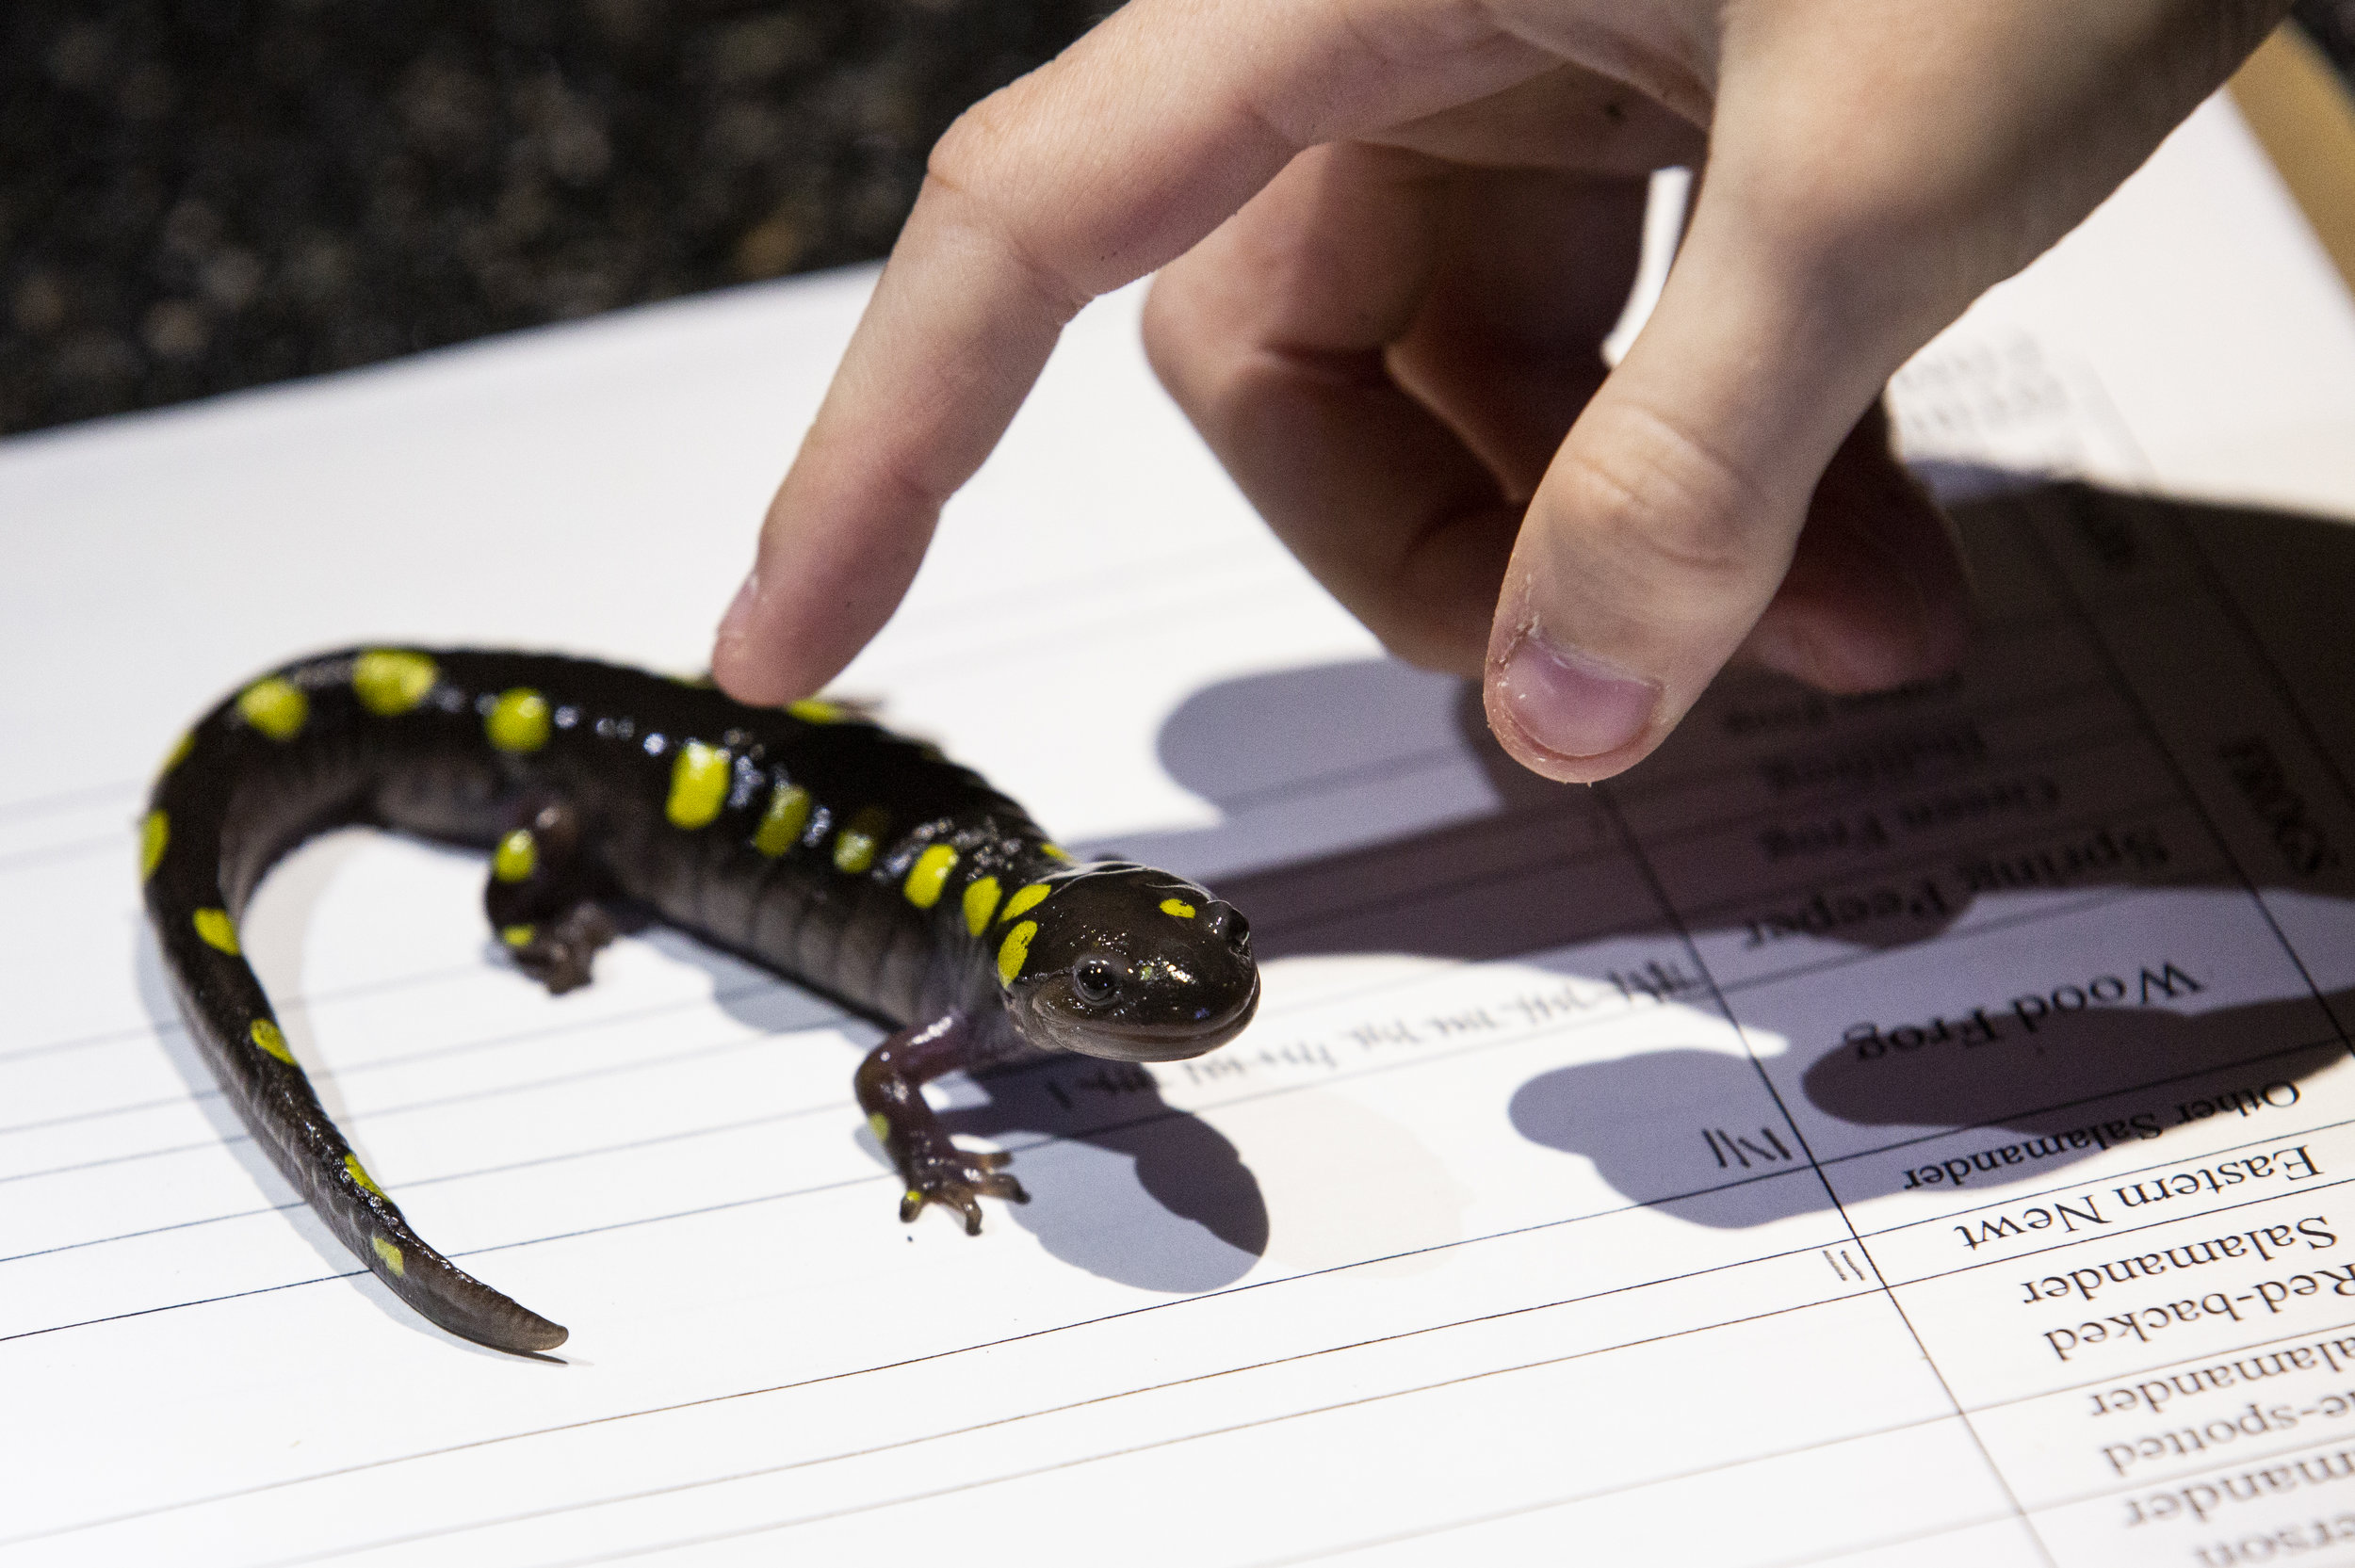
(1795, 1151)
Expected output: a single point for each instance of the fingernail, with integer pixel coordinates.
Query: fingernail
(1571, 703)
(736, 623)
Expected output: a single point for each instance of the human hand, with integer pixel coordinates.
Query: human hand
(1394, 234)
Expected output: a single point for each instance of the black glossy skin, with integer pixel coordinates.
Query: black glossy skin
(676, 795)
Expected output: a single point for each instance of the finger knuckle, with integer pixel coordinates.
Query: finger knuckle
(1666, 504)
(969, 152)
(977, 174)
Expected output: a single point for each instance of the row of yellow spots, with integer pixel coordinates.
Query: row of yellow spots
(699, 786)
(217, 931)
(387, 681)
(388, 684)
(269, 1040)
(518, 721)
(700, 780)
(268, 1037)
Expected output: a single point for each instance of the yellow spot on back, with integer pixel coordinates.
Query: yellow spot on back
(1023, 900)
(518, 936)
(1016, 950)
(981, 902)
(154, 832)
(517, 856)
(814, 710)
(880, 1125)
(699, 784)
(518, 721)
(271, 1041)
(218, 929)
(390, 1254)
(180, 750)
(274, 708)
(354, 1168)
(929, 876)
(781, 824)
(1054, 851)
(1177, 907)
(390, 681)
(854, 846)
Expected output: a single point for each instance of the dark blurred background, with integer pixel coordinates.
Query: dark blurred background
(198, 195)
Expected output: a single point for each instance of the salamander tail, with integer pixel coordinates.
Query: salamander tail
(446, 1295)
(200, 856)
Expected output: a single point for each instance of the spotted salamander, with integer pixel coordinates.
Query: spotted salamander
(853, 861)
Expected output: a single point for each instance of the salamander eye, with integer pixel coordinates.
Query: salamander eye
(1238, 934)
(1096, 980)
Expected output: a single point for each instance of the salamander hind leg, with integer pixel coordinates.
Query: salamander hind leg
(541, 897)
(890, 1089)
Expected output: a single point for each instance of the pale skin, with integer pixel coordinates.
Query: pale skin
(1391, 235)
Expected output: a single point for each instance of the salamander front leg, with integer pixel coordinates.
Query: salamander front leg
(541, 899)
(890, 1089)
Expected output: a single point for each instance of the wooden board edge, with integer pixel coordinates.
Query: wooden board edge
(2303, 115)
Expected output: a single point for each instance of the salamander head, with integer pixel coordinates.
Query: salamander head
(1131, 963)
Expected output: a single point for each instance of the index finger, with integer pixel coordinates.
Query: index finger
(1090, 172)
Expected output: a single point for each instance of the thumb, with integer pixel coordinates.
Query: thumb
(1669, 518)
(1863, 188)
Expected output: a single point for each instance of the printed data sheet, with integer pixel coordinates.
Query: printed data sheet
(1895, 1130)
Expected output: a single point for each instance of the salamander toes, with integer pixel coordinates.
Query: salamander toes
(958, 1179)
(559, 953)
